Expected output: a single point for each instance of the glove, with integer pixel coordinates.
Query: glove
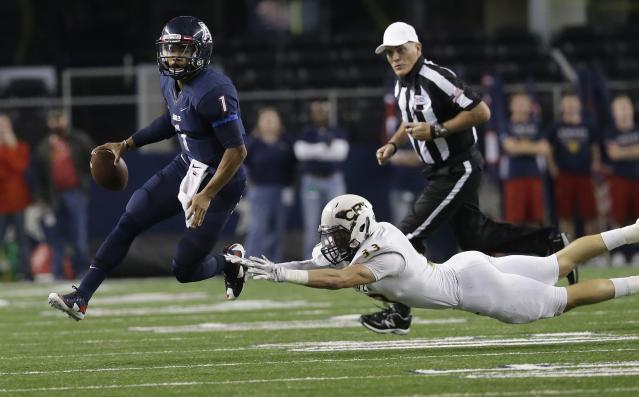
(259, 268)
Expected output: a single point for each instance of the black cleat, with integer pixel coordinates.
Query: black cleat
(387, 321)
(559, 242)
(73, 304)
(234, 274)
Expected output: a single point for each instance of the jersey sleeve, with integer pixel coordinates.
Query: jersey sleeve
(461, 96)
(221, 109)
(159, 130)
(384, 265)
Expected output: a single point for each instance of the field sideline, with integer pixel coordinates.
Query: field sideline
(157, 337)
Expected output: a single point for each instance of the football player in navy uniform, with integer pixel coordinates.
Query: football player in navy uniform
(203, 110)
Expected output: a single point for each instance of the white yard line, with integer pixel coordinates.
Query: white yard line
(622, 368)
(451, 342)
(318, 360)
(536, 392)
(180, 384)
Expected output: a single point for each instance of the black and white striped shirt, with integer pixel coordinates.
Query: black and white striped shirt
(433, 94)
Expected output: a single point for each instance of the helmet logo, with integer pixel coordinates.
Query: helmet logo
(351, 213)
(206, 35)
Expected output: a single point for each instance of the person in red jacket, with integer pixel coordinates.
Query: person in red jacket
(15, 197)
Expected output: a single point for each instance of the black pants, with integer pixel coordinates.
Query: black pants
(452, 196)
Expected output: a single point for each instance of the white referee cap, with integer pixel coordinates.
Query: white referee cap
(396, 34)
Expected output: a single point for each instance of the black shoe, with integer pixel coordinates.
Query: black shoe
(559, 242)
(234, 274)
(73, 304)
(387, 321)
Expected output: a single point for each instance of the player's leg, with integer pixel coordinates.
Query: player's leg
(193, 260)
(507, 297)
(154, 201)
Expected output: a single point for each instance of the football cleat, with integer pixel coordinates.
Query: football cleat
(234, 273)
(387, 321)
(73, 304)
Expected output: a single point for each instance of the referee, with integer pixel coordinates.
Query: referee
(439, 115)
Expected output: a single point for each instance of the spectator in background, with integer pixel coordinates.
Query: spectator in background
(575, 156)
(321, 150)
(271, 164)
(61, 164)
(14, 192)
(522, 143)
(622, 146)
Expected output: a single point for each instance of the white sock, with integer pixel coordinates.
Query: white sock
(622, 236)
(625, 286)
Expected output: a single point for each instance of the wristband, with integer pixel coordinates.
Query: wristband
(294, 276)
(394, 146)
(437, 131)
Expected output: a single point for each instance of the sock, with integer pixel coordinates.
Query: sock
(402, 309)
(621, 236)
(92, 280)
(625, 286)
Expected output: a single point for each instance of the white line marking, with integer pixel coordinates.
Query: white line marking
(224, 382)
(536, 392)
(346, 321)
(232, 306)
(624, 368)
(402, 358)
(451, 342)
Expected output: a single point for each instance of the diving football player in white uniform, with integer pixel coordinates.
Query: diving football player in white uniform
(378, 260)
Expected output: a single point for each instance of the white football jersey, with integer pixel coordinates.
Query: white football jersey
(417, 282)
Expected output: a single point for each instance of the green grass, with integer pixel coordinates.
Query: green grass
(43, 353)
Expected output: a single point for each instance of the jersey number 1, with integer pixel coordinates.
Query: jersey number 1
(223, 103)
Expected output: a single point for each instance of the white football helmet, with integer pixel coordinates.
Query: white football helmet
(346, 222)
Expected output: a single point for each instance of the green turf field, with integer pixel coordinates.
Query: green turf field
(160, 338)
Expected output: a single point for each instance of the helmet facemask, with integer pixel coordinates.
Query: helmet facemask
(336, 244)
(186, 54)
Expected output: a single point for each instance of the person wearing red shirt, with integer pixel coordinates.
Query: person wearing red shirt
(575, 157)
(61, 163)
(15, 197)
(622, 147)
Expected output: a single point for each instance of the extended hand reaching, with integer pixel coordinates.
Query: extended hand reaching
(258, 268)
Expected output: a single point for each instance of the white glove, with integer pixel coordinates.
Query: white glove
(259, 268)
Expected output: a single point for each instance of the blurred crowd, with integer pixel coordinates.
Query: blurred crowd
(580, 177)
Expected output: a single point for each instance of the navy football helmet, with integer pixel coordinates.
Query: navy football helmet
(187, 42)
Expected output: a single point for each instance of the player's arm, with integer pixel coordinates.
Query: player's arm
(399, 138)
(230, 163)
(350, 276)
(469, 109)
(158, 130)
(521, 147)
(617, 152)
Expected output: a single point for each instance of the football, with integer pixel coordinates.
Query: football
(105, 173)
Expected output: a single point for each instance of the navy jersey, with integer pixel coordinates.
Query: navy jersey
(624, 168)
(205, 114)
(525, 165)
(572, 146)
